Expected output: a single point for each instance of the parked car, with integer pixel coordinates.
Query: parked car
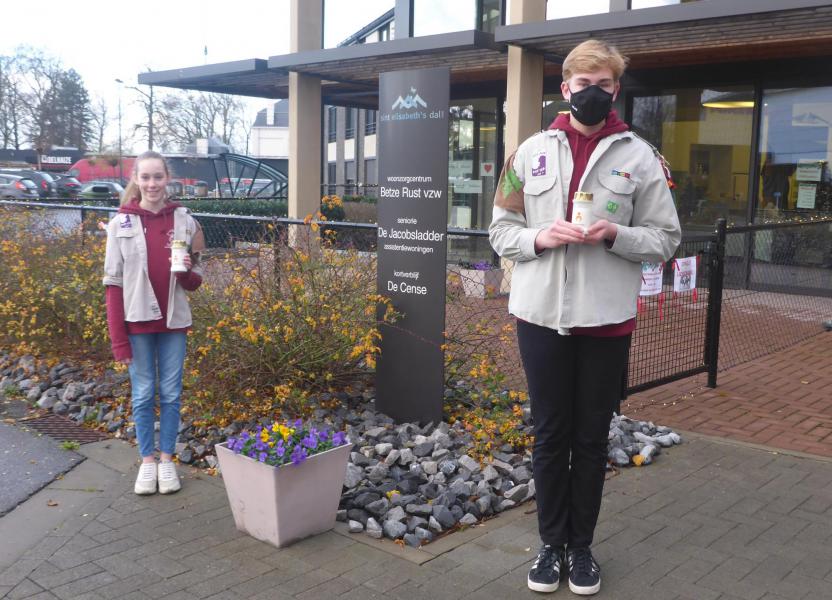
(67, 186)
(101, 190)
(14, 187)
(43, 181)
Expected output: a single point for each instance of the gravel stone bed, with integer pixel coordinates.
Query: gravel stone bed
(403, 481)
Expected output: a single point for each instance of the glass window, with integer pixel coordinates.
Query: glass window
(472, 168)
(332, 123)
(705, 135)
(341, 19)
(795, 153)
(349, 126)
(490, 16)
(563, 10)
(369, 122)
(330, 178)
(553, 105)
(440, 16)
(370, 171)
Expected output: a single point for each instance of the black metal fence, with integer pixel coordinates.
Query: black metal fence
(759, 288)
(678, 333)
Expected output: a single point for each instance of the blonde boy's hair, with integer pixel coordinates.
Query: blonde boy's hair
(593, 55)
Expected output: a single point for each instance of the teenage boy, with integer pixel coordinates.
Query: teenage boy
(574, 291)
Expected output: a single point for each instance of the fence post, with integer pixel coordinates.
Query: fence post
(717, 271)
(83, 219)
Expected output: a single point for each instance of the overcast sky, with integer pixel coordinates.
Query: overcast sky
(105, 41)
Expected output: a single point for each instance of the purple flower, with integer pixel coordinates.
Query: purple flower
(244, 436)
(252, 453)
(310, 441)
(339, 438)
(298, 455)
(262, 457)
(323, 436)
(259, 445)
(298, 424)
(280, 449)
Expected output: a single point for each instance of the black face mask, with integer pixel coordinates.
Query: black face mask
(591, 105)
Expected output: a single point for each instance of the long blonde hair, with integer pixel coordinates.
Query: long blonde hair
(132, 190)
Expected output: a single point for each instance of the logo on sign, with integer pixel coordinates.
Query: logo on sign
(412, 100)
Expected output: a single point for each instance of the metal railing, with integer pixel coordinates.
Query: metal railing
(760, 288)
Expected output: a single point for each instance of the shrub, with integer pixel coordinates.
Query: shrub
(255, 207)
(270, 330)
(332, 208)
(52, 294)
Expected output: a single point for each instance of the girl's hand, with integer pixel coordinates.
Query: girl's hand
(185, 261)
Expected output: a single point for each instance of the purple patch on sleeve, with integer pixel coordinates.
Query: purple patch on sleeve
(539, 165)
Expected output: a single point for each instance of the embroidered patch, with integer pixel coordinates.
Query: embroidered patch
(511, 183)
(612, 207)
(539, 164)
(621, 174)
(125, 222)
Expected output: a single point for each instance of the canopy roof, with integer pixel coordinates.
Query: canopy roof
(705, 32)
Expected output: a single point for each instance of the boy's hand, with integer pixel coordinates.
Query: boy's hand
(559, 233)
(601, 231)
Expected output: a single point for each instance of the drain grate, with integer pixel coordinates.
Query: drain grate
(63, 429)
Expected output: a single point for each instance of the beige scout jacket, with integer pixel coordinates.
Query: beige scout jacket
(585, 285)
(125, 265)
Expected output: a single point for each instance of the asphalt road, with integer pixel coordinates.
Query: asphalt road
(28, 462)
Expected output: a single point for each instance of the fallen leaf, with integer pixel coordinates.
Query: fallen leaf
(9, 421)
(51, 503)
(803, 381)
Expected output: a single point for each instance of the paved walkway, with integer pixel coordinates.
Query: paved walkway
(708, 520)
(30, 461)
(783, 400)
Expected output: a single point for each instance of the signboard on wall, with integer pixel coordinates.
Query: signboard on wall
(412, 240)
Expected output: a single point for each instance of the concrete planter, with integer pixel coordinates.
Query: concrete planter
(481, 284)
(281, 505)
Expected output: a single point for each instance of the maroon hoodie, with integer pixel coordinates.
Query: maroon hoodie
(582, 147)
(158, 232)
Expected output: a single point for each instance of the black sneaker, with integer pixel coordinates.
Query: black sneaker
(544, 575)
(584, 572)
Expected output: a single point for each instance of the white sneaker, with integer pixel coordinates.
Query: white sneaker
(146, 479)
(168, 478)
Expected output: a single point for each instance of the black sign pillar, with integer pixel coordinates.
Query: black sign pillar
(412, 240)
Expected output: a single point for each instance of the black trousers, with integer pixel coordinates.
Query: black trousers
(574, 386)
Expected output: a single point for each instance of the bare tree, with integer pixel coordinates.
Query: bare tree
(42, 102)
(186, 116)
(99, 119)
(12, 106)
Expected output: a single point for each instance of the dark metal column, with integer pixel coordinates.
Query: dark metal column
(716, 259)
(404, 19)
